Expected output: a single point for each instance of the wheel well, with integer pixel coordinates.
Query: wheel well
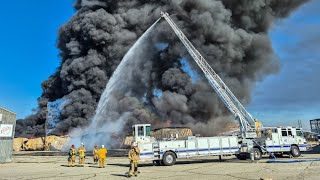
(172, 152)
(295, 145)
(258, 148)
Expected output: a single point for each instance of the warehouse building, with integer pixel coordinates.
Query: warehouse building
(315, 125)
(7, 127)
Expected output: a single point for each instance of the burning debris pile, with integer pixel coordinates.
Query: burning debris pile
(49, 143)
(167, 88)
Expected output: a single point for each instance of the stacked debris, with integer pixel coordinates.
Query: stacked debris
(171, 133)
(230, 130)
(164, 134)
(18, 143)
(58, 143)
(50, 143)
(127, 141)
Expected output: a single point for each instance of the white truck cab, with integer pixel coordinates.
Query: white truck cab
(284, 139)
(141, 133)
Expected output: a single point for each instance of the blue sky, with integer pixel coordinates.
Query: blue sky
(29, 56)
(293, 93)
(28, 50)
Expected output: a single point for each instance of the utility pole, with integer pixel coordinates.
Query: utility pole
(46, 126)
(299, 123)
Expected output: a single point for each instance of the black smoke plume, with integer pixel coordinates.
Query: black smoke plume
(231, 34)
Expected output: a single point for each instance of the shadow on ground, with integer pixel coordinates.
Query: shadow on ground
(77, 166)
(177, 163)
(119, 175)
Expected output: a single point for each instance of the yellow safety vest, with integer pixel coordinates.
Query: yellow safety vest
(74, 151)
(82, 152)
(102, 153)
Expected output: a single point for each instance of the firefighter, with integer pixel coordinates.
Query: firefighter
(269, 133)
(82, 155)
(48, 147)
(72, 156)
(258, 125)
(102, 156)
(134, 159)
(95, 154)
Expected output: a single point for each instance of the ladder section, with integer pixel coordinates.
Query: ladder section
(245, 119)
(156, 150)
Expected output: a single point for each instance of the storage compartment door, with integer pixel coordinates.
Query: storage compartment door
(191, 148)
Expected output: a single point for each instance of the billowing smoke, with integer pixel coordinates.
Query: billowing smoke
(231, 34)
(53, 114)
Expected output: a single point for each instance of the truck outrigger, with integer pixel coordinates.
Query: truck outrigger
(253, 141)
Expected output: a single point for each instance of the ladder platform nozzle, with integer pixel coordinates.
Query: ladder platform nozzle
(164, 14)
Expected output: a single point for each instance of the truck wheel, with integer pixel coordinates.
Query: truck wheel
(242, 156)
(169, 159)
(257, 154)
(295, 152)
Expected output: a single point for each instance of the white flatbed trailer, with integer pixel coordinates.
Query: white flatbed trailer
(287, 140)
(192, 147)
(168, 151)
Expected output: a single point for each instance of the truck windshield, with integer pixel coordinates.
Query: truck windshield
(140, 130)
(147, 130)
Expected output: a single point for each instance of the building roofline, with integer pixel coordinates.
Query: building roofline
(7, 110)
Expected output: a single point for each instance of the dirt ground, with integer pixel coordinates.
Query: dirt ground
(55, 167)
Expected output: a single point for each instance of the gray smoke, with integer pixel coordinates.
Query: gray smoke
(231, 34)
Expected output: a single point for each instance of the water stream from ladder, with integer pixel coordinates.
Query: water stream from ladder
(119, 78)
(104, 120)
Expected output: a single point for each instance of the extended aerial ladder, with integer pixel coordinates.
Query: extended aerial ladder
(247, 123)
(252, 142)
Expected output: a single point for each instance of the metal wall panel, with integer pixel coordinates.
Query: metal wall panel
(7, 117)
(5, 151)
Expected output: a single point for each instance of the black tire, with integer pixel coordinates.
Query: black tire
(169, 159)
(295, 152)
(242, 156)
(257, 154)
(158, 162)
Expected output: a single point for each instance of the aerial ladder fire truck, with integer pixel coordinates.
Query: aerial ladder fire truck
(253, 141)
